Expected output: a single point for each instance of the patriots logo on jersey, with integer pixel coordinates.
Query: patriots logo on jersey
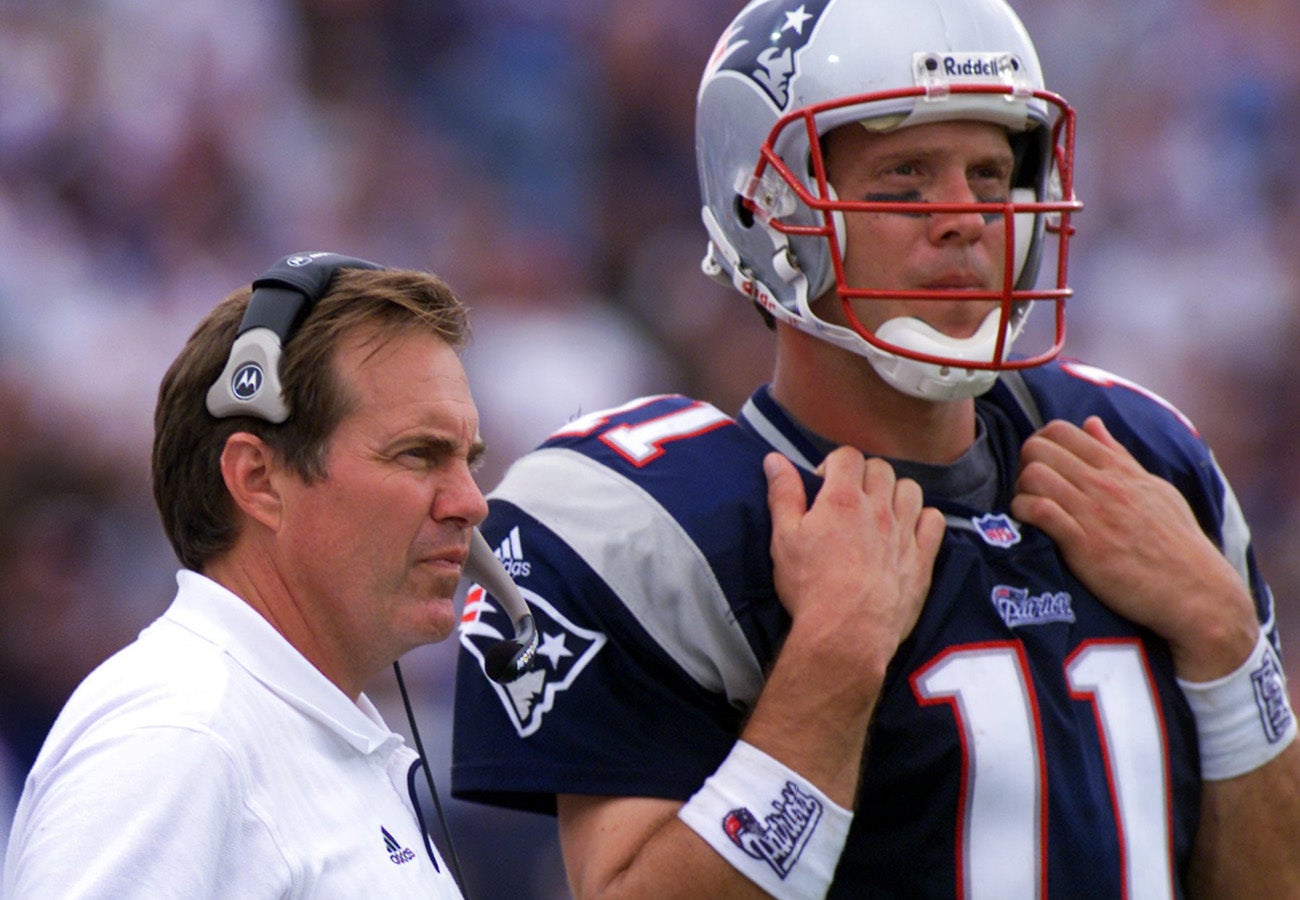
(762, 46)
(1017, 608)
(563, 651)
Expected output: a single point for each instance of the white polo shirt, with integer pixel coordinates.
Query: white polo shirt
(210, 759)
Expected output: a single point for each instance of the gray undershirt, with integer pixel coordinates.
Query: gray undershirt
(971, 479)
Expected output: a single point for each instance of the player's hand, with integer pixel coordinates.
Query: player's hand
(857, 564)
(1132, 539)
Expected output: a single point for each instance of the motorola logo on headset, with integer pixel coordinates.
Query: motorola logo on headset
(247, 381)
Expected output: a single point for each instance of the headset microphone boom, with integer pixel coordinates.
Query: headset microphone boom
(510, 657)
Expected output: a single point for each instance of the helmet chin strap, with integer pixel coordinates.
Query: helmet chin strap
(931, 381)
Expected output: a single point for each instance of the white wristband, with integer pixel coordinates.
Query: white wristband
(775, 828)
(1243, 719)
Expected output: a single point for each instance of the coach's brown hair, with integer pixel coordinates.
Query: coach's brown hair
(197, 513)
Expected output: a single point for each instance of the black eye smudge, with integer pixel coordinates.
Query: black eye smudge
(915, 197)
(907, 197)
(992, 217)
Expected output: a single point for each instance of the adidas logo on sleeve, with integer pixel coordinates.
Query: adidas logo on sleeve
(511, 554)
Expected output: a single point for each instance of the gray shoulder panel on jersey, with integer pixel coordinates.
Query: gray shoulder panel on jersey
(650, 562)
(1236, 533)
(1236, 541)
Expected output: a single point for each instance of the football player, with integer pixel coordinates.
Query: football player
(770, 662)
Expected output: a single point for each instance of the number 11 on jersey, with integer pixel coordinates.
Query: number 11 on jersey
(1002, 818)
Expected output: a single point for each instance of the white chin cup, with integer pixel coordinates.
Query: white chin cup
(932, 381)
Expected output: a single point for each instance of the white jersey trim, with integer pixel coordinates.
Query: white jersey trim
(773, 436)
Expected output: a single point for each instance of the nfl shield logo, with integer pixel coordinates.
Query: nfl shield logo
(997, 529)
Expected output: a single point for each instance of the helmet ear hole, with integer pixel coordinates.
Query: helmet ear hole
(744, 215)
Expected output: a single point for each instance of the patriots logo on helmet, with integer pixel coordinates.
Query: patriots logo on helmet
(564, 651)
(762, 45)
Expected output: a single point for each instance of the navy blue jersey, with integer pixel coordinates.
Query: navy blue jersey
(1027, 742)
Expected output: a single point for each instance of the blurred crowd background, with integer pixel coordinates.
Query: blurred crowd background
(538, 154)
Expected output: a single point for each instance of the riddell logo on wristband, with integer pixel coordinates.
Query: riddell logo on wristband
(782, 835)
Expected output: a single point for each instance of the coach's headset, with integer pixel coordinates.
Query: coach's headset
(249, 385)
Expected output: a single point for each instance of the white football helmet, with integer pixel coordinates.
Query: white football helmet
(786, 72)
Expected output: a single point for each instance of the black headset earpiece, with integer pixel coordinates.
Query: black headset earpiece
(249, 385)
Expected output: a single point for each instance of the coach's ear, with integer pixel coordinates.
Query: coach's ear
(248, 467)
